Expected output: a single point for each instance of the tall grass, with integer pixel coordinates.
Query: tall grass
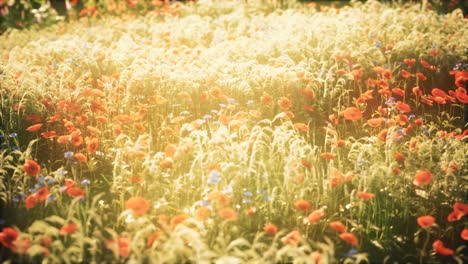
(175, 109)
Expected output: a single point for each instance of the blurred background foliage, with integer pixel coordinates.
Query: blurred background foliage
(22, 14)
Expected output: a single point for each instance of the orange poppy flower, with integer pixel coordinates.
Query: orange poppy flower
(400, 157)
(439, 248)
(315, 215)
(375, 122)
(154, 237)
(93, 130)
(422, 177)
(138, 205)
(365, 195)
(327, 156)
(63, 139)
(177, 220)
(333, 119)
(202, 213)
(270, 229)
(352, 113)
(357, 74)
(284, 103)
(301, 127)
(227, 214)
(92, 144)
(48, 134)
(251, 211)
(426, 221)
(308, 93)
(34, 128)
(166, 163)
(292, 239)
(338, 226)
(302, 205)
(68, 229)
(120, 246)
(349, 238)
(81, 157)
(31, 201)
(403, 107)
(32, 168)
(76, 141)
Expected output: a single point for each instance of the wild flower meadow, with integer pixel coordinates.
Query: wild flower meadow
(237, 132)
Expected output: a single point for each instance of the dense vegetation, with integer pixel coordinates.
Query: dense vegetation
(236, 132)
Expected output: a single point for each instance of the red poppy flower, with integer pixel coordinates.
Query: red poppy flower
(426, 221)
(34, 128)
(81, 157)
(301, 127)
(293, 238)
(461, 95)
(375, 122)
(421, 76)
(120, 246)
(75, 192)
(42, 193)
(410, 62)
(338, 226)
(31, 168)
(202, 213)
(464, 234)
(460, 207)
(352, 113)
(92, 144)
(383, 134)
(266, 99)
(349, 238)
(8, 236)
(270, 229)
(327, 156)
(251, 211)
(284, 103)
(438, 246)
(21, 246)
(68, 229)
(227, 214)
(403, 107)
(308, 93)
(31, 201)
(417, 91)
(48, 134)
(302, 205)
(405, 74)
(455, 216)
(422, 177)
(398, 91)
(315, 216)
(154, 237)
(138, 205)
(365, 195)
